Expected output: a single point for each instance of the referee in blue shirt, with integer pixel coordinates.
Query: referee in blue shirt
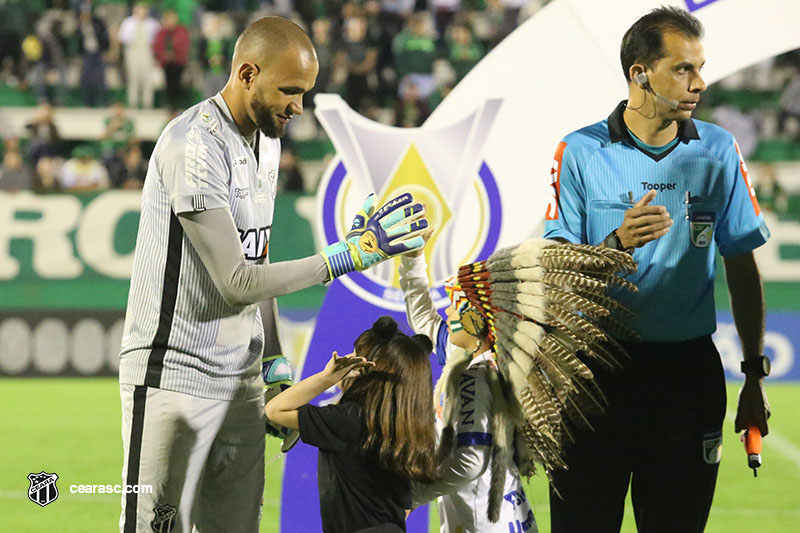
(671, 191)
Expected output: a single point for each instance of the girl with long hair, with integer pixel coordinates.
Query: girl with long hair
(379, 437)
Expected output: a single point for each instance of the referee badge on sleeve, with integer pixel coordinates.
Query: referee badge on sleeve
(701, 229)
(712, 447)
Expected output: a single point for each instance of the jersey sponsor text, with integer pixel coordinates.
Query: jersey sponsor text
(255, 242)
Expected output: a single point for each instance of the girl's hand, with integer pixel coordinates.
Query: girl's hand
(338, 367)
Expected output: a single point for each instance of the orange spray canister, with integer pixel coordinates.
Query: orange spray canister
(752, 445)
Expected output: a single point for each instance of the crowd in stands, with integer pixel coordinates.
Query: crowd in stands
(401, 56)
(46, 165)
(391, 60)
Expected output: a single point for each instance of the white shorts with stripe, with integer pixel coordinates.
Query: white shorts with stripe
(204, 459)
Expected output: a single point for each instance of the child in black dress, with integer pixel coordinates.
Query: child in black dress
(377, 439)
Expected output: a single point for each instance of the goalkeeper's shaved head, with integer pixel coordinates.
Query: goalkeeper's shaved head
(268, 38)
(274, 65)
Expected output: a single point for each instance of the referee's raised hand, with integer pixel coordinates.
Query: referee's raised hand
(644, 223)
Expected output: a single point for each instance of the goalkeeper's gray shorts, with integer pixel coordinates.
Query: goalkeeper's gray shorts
(203, 458)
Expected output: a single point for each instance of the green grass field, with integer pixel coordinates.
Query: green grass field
(72, 427)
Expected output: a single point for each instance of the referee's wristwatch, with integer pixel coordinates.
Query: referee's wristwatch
(758, 366)
(613, 241)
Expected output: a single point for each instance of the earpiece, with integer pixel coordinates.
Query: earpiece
(644, 83)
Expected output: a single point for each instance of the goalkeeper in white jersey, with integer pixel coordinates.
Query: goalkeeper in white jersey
(191, 382)
(481, 490)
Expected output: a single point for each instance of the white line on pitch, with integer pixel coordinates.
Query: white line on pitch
(756, 511)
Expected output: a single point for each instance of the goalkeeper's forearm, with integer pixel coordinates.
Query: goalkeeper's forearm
(214, 236)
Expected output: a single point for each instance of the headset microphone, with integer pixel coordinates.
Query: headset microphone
(642, 80)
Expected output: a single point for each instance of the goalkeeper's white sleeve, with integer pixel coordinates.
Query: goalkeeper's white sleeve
(214, 236)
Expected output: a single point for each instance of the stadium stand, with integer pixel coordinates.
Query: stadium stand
(393, 60)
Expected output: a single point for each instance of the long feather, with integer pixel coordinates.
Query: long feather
(600, 298)
(576, 302)
(566, 279)
(547, 307)
(617, 327)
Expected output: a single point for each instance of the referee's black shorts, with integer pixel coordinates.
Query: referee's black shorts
(662, 434)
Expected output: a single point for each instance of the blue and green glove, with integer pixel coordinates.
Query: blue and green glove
(277, 375)
(376, 236)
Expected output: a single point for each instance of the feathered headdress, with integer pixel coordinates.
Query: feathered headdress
(547, 309)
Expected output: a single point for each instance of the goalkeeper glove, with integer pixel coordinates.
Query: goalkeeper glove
(277, 374)
(375, 236)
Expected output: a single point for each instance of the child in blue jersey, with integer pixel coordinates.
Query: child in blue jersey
(377, 439)
(481, 489)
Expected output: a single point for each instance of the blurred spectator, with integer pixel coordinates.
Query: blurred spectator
(137, 33)
(15, 174)
(238, 11)
(43, 134)
(393, 16)
(771, 196)
(761, 76)
(397, 11)
(790, 107)
(83, 172)
(743, 126)
(463, 51)
(8, 133)
(172, 51)
(326, 51)
(308, 10)
(93, 44)
(359, 58)
(289, 175)
(511, 10)
(439, 94)
(414, 53)
(491, 23)
(8, 74)
(184, 9)
(283, 8)
(215, 53)
(129, 170)
(381, 31)
(119, 132)
(443, 12)
(321, 35)
(48, 66)
(113, 12)
(411, 110)
(45, 178)
(13, 25)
